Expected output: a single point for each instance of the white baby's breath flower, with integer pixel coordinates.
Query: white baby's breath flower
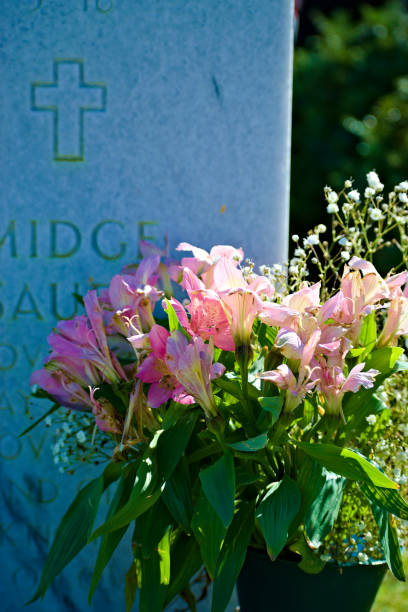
(314, 260)
(375, 214)
(321, 228)
(331, 196)
(293, 270)
(371, 419)
(391, 195)
(362, 557)
(332, 208)
(354, 195)
(48, 421)
(345, 255)
(344, 242)
(374, 181)
(403, 185)
(311, 240)
(295, 238)
(300, 253)
(347, 207)
(403, 197)
(80, 436)
(348, 184)
(369, 192)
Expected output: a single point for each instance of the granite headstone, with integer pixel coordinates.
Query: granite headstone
(120, 120)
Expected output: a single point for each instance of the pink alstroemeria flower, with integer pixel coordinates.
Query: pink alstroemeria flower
(192, 365)
(65, 391)
(202, 261)
(104, 413)
(284, 378)
(132, 304)
(333, 384)
(396, 323)
(155, 370)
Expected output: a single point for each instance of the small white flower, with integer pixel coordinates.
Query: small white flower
(374, 181)
(67, 428)
(300, 253)
(56, 459)
(345, 255)
(311, 240)
(314, 260)
(80, 436)
(391, 195)
(403, 197)
(369, 192)
(332, 197)
(403, 185)
(295, 238)
(371, 419)
(362, 557)
(293, 269)
(321, 228)
(332, 208)
(348, 184)
(277, 268)
(354, 195)
(375, 214)
(347, 207)
(48, 421)
(344, 242)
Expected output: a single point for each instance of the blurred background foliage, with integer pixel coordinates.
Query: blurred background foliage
(350, 101)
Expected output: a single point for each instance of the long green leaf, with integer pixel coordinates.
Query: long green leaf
(387, 499)
(389, 541)
(218, 482)
(177, 495)
(232, 556)
(110, 542)
(325, 508)
(347, 463)
(209, 531)
(251, 445)
(158, 463)
(131, 583)
(74, 530)
(185, 561)
(278, 508)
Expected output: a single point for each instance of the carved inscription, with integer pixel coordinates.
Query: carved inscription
(68, 97)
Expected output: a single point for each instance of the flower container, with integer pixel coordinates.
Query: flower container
(265, 585)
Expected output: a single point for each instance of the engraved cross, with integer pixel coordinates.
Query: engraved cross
(68, 97)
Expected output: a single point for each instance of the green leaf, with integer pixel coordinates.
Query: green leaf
(131, 583)
(272, 405)
(74, 530)
(368, 333)
(311, 562)
(347, 463)
(152, 550)
(387, 499)
(110, 542)
(185, 562)
(278, 508)
(156, 467)
(218, 482)
(251, 445)
(53, 408)
(232, 556)
(389, 541)
(356, 417)
(174, 323)
(325, 508)
(233, 388)
(209, 532)
(310, 480)
(384, 359)
(177, 495)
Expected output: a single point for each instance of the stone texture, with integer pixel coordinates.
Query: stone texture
(120, 119)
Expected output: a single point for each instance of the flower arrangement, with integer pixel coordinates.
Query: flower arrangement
(240, 415)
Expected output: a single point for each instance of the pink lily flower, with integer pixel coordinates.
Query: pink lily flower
(296, 388)
(333, 384)
(155, 370)
(192, 365)
(104, 413)
(202, 261)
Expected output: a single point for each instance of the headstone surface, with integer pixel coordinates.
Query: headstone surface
(120, 119)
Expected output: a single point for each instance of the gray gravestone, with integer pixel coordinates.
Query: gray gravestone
(120, 119)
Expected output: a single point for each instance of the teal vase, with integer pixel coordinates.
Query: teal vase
(275, 586)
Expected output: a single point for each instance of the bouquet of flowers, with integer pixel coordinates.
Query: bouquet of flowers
(236, 415)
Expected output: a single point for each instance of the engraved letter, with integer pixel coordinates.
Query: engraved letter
(10, 233)
(8, 356)
(95, 241)
(142, 235)
(26, 294)
(54, 252)
(54, 303)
